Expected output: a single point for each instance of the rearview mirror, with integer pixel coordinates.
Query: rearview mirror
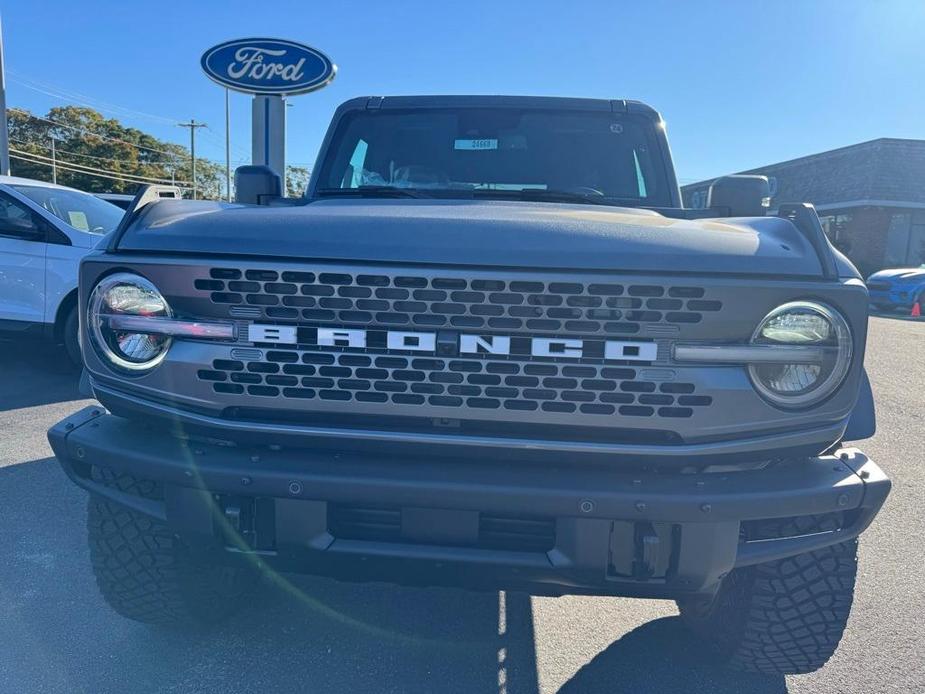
(256, 185)
(740, 195)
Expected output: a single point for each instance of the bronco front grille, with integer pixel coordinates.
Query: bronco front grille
(521, 305)
(457, 383)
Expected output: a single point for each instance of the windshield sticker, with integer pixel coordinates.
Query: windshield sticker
(78, 220)
(475, 145)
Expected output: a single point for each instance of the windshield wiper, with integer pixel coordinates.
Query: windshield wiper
(545, 195)
(540, 194)
(370, 192)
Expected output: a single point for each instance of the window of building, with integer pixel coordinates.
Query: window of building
(835, 226)
(698, 200)
(897, 239)
(905, 242)
(915, 254)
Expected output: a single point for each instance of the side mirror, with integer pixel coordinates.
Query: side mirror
(256, 185)
(741, 196)
(23, 228)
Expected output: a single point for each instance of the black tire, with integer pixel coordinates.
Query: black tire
(70, 330)
(784, 617)
(145, 573)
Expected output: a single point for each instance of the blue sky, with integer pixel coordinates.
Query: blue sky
(739, 83)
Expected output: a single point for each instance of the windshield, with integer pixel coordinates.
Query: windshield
(595, 154)
(81, 210)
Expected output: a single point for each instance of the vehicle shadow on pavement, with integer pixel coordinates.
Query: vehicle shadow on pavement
(381, 638)
(296, 634)
(662, 656)
(35, 374)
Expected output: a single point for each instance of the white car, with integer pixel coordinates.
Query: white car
(45, 230)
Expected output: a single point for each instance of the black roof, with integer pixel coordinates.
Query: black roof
(499, 101)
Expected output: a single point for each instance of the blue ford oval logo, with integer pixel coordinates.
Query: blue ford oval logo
(268, 66)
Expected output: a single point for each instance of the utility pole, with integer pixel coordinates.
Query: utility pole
(227, 145)
(192, 125)
(4, 127)
(54, 163)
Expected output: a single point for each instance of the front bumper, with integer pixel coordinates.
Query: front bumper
(611, 532)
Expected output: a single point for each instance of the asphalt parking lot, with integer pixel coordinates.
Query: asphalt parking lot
(317, 635)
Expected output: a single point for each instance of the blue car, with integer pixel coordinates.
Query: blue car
(897, 288)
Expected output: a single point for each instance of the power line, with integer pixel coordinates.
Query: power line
(115, 176)
(55, 151)
(80, 168)
(70, 96)
(120, 161)
(78, 154)
(93, 134)
(178, 155)
(100, 173)
(63, 94)
(42, 159)
(76, 97)
(219, 139)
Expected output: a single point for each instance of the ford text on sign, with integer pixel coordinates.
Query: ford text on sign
(268, 66)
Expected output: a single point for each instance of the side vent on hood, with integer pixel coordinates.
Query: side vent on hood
(805, 218)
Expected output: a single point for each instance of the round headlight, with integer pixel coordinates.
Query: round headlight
(126, 294)
(807, 381)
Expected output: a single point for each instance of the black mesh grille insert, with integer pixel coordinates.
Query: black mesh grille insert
(457, 383)
(493, 304)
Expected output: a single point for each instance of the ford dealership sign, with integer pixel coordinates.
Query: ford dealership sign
(268, 66)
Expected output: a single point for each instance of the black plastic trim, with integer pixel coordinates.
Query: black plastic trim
(586, 504)
(771, 445)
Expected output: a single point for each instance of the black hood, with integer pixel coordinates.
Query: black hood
(477, 232)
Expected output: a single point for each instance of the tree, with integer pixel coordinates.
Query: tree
(99, 154)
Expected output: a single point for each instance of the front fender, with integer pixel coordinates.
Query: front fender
(862, 424)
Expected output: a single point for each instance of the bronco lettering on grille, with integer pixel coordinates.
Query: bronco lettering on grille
(498, 345)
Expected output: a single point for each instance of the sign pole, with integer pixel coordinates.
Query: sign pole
(4, 126)
(271, 70)
(268, 133)
(227, 145)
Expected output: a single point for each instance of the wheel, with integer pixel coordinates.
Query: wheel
(70, 335)
(782, 617)
(145, 573)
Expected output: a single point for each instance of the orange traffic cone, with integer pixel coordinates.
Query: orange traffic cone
(916, 310)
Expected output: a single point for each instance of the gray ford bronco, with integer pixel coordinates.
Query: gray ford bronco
(488, 348)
